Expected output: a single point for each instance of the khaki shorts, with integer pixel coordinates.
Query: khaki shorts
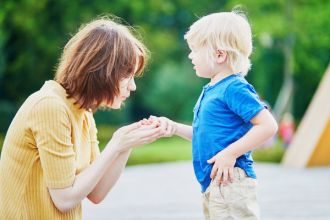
(237, 200)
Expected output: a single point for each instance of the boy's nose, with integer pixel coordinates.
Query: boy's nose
(190, 55)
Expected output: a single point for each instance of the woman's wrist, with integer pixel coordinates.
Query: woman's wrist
(114, 147)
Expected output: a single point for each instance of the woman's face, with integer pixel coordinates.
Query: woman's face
(126, 85)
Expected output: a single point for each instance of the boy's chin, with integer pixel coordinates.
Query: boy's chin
(202, 76)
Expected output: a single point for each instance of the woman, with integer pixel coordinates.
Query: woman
(50, 159)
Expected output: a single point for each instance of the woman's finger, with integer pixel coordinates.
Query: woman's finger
(150, 139)
(139, 133)
(130, 127)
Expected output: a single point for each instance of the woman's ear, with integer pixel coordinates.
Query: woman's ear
(221, 56)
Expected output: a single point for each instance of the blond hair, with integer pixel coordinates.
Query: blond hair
(228, 31)
(96, 58)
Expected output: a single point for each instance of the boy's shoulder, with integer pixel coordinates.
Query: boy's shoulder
(239, 87)
(238, 82)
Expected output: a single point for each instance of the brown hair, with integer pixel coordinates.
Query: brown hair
(96, 58)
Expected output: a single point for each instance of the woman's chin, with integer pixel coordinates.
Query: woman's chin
(116, 105)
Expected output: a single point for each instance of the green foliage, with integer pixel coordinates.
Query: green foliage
(308, 23)
(33, 33)
(1, 142)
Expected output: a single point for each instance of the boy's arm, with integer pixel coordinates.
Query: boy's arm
(264, 127)
(184, 131)
(171, 128)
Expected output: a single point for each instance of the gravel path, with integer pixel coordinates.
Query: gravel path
(169, 191)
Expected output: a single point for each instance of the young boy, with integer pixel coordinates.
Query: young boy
(229, 118)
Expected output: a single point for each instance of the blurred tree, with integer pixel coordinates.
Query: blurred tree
(33, 33)
(308, 26)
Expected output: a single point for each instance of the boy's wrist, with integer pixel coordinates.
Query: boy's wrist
(231, 152)
(176, 128)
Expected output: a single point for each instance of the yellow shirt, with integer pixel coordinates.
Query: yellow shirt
(49, 141)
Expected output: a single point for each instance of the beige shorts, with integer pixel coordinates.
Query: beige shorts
(237, 200)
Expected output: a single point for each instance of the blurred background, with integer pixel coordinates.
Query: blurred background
(291, 52)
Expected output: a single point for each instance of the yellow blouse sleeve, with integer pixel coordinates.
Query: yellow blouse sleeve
(93, 135)
(51, 128)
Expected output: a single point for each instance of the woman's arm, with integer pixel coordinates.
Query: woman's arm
(110, 177)
(67, 198)
(116, 153)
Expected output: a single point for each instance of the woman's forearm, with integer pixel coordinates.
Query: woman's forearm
(110, 177)
(67, 198)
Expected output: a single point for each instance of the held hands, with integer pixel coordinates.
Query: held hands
(167, 126)
(143, 132)
(223, 168)
(136, 134)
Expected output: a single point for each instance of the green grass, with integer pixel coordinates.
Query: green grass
(175, 149)
(271, 154)
(163, 150)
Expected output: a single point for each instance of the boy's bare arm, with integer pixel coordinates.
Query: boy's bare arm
(172, 128)
(184, 131)
(264, 127)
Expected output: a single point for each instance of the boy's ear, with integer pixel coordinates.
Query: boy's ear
(221, 56)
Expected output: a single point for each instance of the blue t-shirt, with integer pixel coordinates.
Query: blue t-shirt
(222, 115)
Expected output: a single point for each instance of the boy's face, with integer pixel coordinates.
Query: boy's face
(198, 57)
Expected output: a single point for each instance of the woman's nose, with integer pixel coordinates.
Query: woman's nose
(132, 85)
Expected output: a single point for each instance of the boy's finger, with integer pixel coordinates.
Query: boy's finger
(152, 118)
(231, 175)
(213, 172)
(212, 160)
(219, 176)
(225, 176)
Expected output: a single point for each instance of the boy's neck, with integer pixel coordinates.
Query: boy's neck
(221, 75)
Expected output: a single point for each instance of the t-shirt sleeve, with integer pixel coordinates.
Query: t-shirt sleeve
(95, 151)
(51, 128)
(243, 100)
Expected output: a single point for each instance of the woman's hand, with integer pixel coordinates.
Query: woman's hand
(136, 134)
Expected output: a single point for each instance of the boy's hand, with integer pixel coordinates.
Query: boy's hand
(168, 126)
(223, 168)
